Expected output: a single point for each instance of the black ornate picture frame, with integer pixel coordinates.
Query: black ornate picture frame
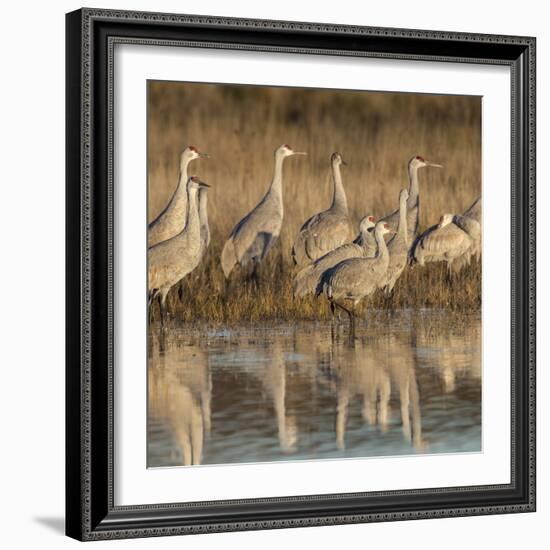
(90, 509)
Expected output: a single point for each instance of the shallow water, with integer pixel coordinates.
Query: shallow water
(408, 383)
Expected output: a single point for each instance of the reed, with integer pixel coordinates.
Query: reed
(376, 133)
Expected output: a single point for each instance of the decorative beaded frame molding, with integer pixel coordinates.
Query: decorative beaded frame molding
(91, 38)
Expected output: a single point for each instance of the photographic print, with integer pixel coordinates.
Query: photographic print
(314, 274)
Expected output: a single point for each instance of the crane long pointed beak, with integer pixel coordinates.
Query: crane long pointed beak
(204, 184)
(344, 163)
(435, 165)
(204, 155)
(299, 153)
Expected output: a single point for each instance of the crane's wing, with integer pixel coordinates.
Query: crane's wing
(311, 221)
(231, 254)
(444, 239)
(327, 234)
(353, 277)
(299, 251)
(344, 252)
(258, 249)
(320, 269)
(242, 224)
(469, 225)
(309, 277)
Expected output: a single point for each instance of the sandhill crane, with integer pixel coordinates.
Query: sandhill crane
(398, 247)
(310, 276)
(172, 260)
(173, 218)
(413, 202)
(253, 236)
(204, 229)
(326, 230)
(451, 240)
(356, 278)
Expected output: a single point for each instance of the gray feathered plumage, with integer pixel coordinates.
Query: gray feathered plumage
(308, 279)
(397, 247)
(203, 220)
(353, 279)
(413, 202)
(454, 240)
(251, 239)
(172, 260)
(326, 230)
(174, 215)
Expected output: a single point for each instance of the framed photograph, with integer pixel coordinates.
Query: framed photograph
(300, 274)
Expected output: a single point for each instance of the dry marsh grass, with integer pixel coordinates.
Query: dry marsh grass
(376, 133)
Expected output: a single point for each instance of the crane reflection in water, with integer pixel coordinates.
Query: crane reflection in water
(293, 392)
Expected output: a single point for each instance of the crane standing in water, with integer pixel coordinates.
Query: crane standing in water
(326, 230)
(413, 202)
(173, 218)
(356, 278)
(204, 229)
(251, 239)
(172, 260)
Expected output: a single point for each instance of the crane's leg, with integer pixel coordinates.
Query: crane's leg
(163, 311)
(150, 302)
(449, 275)
(163, 293)
(352, 323)
(332, 320)
(351, 315)
(255, 276)
(227, 285)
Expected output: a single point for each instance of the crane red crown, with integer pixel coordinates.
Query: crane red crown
(418, 157)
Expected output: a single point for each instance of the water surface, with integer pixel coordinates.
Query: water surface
(408, 383)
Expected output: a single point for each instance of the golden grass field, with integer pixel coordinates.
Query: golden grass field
(376, 133)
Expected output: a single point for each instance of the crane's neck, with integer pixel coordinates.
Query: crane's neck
(339, 200)
(412, 201)
(382, 253)
(181, 189)
(402, 227)
(193, 224)
(276, 188)
(203, 210)
(203, 217)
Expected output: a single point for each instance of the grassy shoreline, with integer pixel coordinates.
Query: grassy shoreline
(208, 297)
